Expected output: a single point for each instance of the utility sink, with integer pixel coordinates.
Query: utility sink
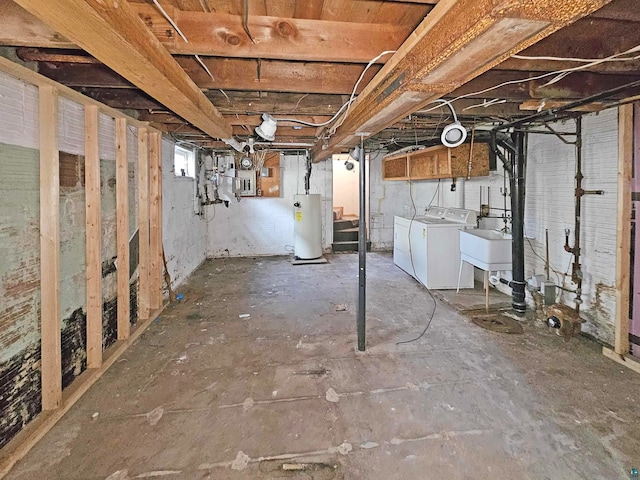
(489, 250)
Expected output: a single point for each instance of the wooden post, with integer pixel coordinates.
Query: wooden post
(122, 229)
(94, 238)
(144, 305)
(155, 219)
(51, 356)
(623, 238)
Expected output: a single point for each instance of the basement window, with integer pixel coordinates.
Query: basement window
(184, 162)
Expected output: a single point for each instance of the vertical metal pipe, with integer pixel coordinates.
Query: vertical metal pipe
(517, 180)
(577, 268)
(362, 253)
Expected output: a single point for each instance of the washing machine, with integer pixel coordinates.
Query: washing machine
(427, 247)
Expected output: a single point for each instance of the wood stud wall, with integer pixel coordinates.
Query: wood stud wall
(144, 288)
(122, 229)
(54, 402)
(94, 237)
(155, 219)
(620, 352)
(50, 249)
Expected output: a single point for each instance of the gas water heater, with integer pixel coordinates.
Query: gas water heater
(307, 227)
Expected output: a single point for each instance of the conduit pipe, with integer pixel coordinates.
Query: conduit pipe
(233, 143)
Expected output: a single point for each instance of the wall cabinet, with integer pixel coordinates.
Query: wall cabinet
(438, 162)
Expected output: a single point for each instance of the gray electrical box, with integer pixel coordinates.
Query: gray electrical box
(549, 292)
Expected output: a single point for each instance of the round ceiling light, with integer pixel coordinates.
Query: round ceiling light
(267, 129)
(453, 135)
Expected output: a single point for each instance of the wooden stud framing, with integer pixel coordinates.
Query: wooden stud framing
(24, 441)
(94, 238)
(623, 237)
(50, 249)
(55, 402)
(623, 241)
(155, 220)
(122, 229)
(144, 287)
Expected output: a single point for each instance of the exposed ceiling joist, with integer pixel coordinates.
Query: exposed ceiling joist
(215, 34)
(115, 35)
(299, 39)
(459, 40)
(228, 74)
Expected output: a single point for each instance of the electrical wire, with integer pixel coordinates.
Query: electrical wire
(548, 74)
(182, 35)
(558, 74)
(413, 267)
(347, 104)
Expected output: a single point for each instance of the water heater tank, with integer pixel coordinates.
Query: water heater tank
(307, 227)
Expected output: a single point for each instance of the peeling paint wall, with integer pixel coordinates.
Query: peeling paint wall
(184, 233)
(550, 205)
(19, 289)
(265, 226)
(20, 247)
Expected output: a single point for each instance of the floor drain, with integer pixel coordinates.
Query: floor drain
(498, 323)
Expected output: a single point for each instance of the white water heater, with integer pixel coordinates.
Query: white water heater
(307, 227)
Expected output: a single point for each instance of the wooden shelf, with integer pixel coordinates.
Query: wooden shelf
(438, 162)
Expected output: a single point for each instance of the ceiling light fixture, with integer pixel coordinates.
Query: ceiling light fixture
(453, 134)
(355, 153)
(267, 129)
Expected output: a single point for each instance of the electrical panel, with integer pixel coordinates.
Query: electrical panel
(247, 181)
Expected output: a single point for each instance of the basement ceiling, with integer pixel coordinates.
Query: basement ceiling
(206, 70)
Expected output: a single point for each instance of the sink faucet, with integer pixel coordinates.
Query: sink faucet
(506, 219)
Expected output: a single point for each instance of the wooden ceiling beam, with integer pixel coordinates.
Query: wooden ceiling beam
(218, 34)
(275, 38)
(240, 103)
(115, 35)
(228, 74)
(458, 40)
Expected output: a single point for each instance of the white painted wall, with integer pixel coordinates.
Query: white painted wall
(388, 198)
(550, 205)
(184, 233)
(345, 185)
(264, 226)
(19, 106)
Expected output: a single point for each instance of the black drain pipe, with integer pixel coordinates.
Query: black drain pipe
(517, 180)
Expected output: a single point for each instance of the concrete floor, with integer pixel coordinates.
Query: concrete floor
(282, 394)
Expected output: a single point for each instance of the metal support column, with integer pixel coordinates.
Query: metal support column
(362, 253)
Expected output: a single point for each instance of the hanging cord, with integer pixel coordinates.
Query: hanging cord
(347, 104)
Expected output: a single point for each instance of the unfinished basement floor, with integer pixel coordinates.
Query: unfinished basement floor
(209, 393)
